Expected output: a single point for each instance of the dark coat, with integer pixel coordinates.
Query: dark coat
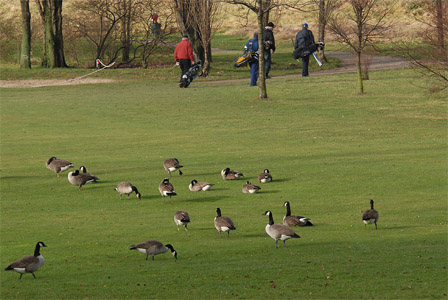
(304, 40)
(268, 39)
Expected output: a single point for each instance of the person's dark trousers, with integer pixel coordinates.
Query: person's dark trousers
(305, 62)
(184, 65)
(254, 73)
(267, 61)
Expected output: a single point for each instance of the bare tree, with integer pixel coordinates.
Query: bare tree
(325, 9)
(434, 49)
(51, 14)
(360, 27)
(98, 23)
(202, 17)
(25, 51)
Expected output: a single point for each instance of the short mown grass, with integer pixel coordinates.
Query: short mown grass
(329, 149)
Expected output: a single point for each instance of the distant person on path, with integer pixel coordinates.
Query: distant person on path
(269, 44)
(304, 41)
(183, 55)
(252, 46)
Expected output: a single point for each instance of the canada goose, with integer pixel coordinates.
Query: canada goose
(171, 165)
(289, 220)
(127, 188)
(223, 223)
(166, 188)
(196, 186)
(79, 179)
(279, 231)
(153, 247)
(370, 216)
(250, 188)
(89, 175)
(58, 165)
(29, 264)
(228, 174)
(181, 218)
(265, 176)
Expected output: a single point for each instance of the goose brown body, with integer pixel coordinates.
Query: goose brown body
(127, 188)
(223, 223)
(265, 176)
(171, 165)
(370, 216)
(279, 231)
(166, 188)
(29, 264)
(153, 247)
(196, 186)
(58, 165)
(181, 218)
(250, 188)
(228, 174)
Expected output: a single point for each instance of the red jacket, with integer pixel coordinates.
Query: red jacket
(184, 50)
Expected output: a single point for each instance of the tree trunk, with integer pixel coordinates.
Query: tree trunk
(321, 29)
(262, 93)
(25, 53)
(48, 54)
(206, 65)
(440, 28)
(58, 38)
(126, 31)
(358, 64)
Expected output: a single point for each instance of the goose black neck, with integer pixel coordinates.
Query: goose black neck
(288, 210)
(37, 250)
(135, 189)
(218, 211)
(271, 219)
(371, 204)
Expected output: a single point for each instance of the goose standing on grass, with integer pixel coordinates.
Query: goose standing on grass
(79, 179)
(289, 220)
(88, 175)
(265, 176)
(153, 248)
(29, 264)
(171, 165)
(127, 188)
(370, 216)
(58, 165)
(181, 218)
(166, 188)
(223, 223)
(279, 231)
(196, 186)
(228, 174)
(250, 188)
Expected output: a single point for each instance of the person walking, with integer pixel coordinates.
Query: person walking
(269, 44)
(303, 43)
(183, 55)
(252, 46)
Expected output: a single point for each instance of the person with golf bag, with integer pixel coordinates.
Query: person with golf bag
(304, 46)
(183, 55)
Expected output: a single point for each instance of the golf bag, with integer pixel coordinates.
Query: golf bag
(302, 52)
(246, 58)
(191, 74)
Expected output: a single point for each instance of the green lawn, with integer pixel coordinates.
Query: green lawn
(329, 149)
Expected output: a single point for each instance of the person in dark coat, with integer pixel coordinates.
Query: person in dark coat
(183, 54)
(269, 44)
(252, 45)
(303, 43)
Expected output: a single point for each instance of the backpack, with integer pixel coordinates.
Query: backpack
(191, 74)
(247, 57)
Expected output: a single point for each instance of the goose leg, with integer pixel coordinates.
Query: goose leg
(219, 234)
(147, 256)
(33, 275)
(186, 229)
(178, 228)
(120, 196)
(228, 234)
(276, 243)
(153, 257)
(21, 274)
(284, 243)
(376, 226)
(180, 172)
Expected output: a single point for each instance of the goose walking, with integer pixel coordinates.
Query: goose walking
(79, 179)
(279, 231)
(223, 223)
(29, 264)
(83, 170)
(153, 247)
(127, 188)
(289, 220)
(370, 216)
(166, 188)
(171, 165)
(228, 174)
(265, 176)
(196, 186)
(181, 218)
(58, 165)
(250, 188)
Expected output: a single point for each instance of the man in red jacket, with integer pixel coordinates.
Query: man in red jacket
(183, 54)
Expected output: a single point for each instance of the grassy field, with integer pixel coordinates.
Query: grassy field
(329, 150)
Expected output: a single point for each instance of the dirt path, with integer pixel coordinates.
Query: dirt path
(347, 65)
